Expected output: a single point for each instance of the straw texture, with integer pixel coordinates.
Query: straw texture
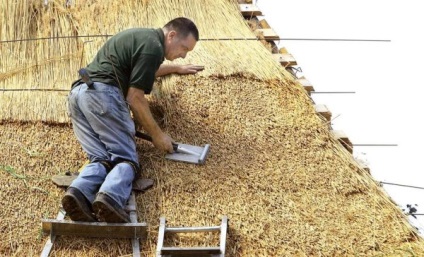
(288, 188)
(53, 63)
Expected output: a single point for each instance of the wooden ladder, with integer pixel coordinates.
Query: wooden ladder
(134, 230)
(218, 251)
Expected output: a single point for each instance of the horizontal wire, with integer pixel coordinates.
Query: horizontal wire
(203, 39)
(299, 39)
(395, 184)
(38, 89)
(333, 92)
(375, 144)
(337, 39)
(48, 38)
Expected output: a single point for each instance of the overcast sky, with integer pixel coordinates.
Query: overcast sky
(386, 107)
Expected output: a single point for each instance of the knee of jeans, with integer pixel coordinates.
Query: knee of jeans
(134, 166)
(108, 164)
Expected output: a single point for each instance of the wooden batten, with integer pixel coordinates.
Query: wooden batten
(264, 24)
(249, 10)
(362, 165)
(268, 34)
(343, 139)
(285, 59)
(306, 85)
(323, 111)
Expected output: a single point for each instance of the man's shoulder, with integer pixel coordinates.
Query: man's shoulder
(147, 38)
(139, 34)
(136, 31)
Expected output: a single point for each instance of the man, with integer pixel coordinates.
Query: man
(123, 71)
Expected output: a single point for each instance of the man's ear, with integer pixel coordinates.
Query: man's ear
(172, 34)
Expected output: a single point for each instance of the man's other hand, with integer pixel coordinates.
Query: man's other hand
(190, 69)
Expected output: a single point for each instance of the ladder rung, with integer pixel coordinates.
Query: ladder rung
(190, 250)
(192, 229)
(94, 229)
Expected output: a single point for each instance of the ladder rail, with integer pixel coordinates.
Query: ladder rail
(161, 236)
(50, 241)
(223, 236)
(132, 207)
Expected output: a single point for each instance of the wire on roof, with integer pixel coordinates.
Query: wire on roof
(333, 92)
(375, 144)
(203, 39)
(395, 184)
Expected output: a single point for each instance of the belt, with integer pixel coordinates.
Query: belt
(85, 78)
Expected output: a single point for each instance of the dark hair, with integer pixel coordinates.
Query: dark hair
(183, 26)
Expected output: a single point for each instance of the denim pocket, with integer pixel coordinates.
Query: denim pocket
(98, 101)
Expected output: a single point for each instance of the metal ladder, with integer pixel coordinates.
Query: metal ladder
(219, 251)
(134, 230)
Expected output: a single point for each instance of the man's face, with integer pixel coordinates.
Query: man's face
(177, 47)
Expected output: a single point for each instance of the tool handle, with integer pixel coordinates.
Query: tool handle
(149, 138)
(84, 77)
(143, 136)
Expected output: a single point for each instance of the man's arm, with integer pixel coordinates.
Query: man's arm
(141, 110)
(166, 69)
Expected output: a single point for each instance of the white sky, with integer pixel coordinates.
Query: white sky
(386, 108)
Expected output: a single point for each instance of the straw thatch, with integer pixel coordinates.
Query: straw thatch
(288, 188)
(29, 67)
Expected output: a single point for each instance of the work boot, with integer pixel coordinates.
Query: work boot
(107, 210)
(77, 206)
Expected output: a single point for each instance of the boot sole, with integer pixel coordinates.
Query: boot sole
(75, 210)
(106, 213)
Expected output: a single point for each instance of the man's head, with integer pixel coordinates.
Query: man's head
(181, 35)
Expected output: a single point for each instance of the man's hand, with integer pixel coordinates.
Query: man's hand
(190, 69)
(166, 69)
(163, 142)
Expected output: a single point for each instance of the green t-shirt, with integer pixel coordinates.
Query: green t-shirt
(129, 58)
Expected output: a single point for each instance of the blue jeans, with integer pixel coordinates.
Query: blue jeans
(102, 124)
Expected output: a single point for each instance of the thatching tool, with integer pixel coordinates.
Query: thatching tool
(182, 152)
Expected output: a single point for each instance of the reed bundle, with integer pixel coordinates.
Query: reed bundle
(288, 188)
(53, 63)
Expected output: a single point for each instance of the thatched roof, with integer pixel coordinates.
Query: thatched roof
(288, 188)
